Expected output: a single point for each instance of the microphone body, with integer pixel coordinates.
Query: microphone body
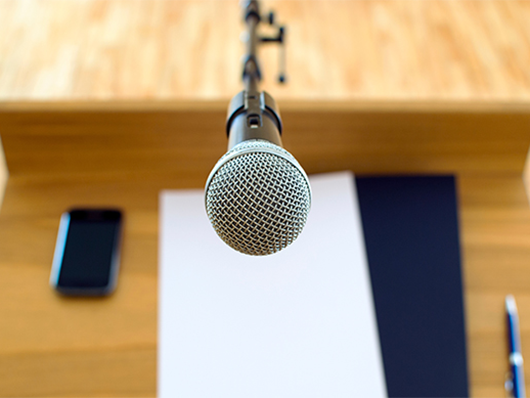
(257, 196)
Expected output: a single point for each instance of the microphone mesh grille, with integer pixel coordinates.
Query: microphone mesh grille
(258, 202)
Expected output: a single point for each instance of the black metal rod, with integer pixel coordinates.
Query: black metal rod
(251, 69)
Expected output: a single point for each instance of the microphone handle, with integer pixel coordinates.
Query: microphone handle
(253, 116)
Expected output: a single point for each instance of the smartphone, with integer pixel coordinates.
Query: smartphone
(87, 252)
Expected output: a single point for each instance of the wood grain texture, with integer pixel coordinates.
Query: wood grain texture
(189, 49)
(188, 140)
(124, 154)
(3, 172)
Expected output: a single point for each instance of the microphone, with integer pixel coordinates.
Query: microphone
(257, 196)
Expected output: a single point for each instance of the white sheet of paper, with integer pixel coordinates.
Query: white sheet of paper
(299, 323)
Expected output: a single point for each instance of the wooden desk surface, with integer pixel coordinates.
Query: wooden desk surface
(123, 156)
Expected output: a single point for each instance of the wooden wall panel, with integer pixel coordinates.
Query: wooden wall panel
(190, 49)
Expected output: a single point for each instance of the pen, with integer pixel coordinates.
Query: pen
(514, 341)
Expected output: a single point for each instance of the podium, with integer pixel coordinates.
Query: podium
(123, 154)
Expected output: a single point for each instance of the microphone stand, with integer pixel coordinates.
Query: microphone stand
(251, 69)
(257, 196)
(253, 114)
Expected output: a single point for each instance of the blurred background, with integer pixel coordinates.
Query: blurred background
(338, 49)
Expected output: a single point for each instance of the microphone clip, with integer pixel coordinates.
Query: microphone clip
(252, 17)
(279, 38)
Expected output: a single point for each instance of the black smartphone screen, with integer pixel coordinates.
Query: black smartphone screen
(87, 252)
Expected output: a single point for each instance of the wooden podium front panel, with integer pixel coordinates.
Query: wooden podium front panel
(131, 141)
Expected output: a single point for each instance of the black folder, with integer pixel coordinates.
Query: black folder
(412, 243)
